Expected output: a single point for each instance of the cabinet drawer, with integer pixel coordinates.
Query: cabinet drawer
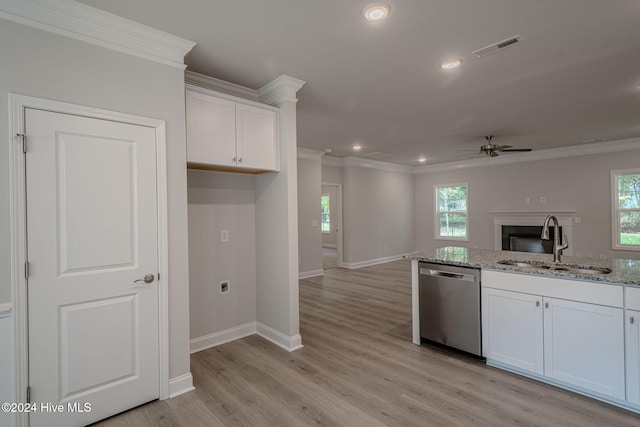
(575, 290)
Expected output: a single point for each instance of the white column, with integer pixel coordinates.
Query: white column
(277, 306)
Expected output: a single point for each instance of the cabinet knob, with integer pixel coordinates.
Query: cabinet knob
(632, 320)
(537, 303)
(234, 159)
(546, 305)
(240, 160)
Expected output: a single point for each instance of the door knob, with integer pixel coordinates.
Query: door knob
(147, 279)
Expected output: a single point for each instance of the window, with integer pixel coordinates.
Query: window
(625, 193)
(325, 213)
(452, 219)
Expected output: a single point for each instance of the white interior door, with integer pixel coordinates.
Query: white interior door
(92, 232)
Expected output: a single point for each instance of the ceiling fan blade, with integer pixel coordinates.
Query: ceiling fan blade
(516, 149)
(503, 147)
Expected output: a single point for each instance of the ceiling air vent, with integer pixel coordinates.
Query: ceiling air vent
(511, 41)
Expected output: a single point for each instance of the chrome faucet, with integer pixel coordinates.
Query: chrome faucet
(557, 248)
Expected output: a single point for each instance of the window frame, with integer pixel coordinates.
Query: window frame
(616, 210)
(328, 214)
(437, 213)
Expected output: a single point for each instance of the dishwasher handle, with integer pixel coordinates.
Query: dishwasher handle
(440, 273)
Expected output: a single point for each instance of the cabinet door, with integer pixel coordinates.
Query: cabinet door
(211, 132)
(512, 329)
(633, 356)
(584, 346)
(256, 138)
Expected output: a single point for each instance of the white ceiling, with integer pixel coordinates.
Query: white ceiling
(575, 77)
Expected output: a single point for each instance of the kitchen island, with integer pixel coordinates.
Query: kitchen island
(573, 324)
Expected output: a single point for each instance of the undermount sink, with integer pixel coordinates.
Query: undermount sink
(524, 264)
(575, 269)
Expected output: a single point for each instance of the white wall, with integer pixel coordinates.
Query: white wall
(581, 184)
(221, 201)
(46, 65)
(309, 235)
(378, 214)
(332, 174)
(6, 363)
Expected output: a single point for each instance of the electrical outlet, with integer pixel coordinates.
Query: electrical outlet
(527, 200)
(543, 200)
(224, 235)
(224, 287)
(577, 220)
(603, 256)
(314, 223)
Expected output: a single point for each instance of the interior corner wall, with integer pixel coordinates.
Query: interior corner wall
(309, 235)
(45, 65)
(378, 214)
(221, 201)
(332, 174)
(581, 184)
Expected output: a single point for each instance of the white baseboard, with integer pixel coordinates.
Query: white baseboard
(278, 338)
(370, 262)
(180, 385)
(330, 245)
(311, 273)
(218, 338)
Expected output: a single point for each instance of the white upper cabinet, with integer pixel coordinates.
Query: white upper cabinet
(211, 130)
(226, 132)
(256, 137)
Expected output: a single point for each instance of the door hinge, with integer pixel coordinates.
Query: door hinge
(24, 141)
(26, 270)
(28, 394)
(158, 276)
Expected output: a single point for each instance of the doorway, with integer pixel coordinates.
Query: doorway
(88, 227)
(331, 225)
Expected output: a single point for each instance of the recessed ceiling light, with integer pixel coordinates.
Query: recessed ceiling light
(451, 64)
(376, 12)
(357, 147)
(422, 159)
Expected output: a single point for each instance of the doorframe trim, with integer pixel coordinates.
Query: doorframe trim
(18, 236)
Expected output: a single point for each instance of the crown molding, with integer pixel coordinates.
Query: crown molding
(548, 154)
(364, 163)
(218, 85)
(332, 161)
(95, 26)
(305, 153)
(282, 89)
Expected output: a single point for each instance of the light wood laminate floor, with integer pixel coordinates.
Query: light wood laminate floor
(358, 367)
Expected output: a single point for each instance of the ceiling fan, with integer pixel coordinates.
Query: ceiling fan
(492, 150)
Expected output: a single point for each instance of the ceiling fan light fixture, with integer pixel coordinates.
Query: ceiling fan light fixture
(376, 12)
(422, 159)
(357, 147)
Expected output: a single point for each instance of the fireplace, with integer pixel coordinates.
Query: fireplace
(526, 238)
(523, 229)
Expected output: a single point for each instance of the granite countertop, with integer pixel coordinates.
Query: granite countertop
(623, 271)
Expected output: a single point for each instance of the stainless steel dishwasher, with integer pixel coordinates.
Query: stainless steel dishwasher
(450, 306)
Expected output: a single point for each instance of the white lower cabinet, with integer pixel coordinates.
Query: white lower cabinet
(575, 343)
(632, 331)
(584, 346)
(512, 329)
